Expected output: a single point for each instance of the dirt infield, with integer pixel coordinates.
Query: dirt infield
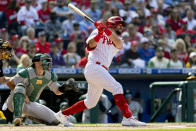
(90, 127)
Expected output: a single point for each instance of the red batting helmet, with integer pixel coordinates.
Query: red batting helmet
(114, 21)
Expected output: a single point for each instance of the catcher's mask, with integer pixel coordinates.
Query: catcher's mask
(45, 59)
(5, 49)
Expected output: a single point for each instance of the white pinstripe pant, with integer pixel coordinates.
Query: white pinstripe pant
(99, 78)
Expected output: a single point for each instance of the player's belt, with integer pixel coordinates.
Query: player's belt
(98, 63)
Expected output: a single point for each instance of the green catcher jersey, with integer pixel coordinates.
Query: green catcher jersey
(34, 84)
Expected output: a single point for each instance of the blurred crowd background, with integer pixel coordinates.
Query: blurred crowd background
(158, 33)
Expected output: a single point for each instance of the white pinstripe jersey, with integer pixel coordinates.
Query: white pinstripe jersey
(104, 52)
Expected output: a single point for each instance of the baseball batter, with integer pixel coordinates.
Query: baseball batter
(103, 43)
(29, 84)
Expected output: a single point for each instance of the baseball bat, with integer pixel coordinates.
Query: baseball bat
(79, 12)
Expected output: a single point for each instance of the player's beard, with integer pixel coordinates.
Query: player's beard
(118, 32)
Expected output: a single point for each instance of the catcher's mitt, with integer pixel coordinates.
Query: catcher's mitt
(5, 49)
(69, 85)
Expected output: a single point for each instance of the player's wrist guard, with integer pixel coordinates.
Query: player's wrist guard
(97, 37)
(69, 85)
(108, 31)
(1, 69)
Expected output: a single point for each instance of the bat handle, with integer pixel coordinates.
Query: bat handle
(89, 19)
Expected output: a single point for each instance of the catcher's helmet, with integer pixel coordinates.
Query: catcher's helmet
(45, 59)
(114, 21)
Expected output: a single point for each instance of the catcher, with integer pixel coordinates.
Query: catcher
(28, 84)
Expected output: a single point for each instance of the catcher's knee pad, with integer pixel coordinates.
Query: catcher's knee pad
(117, 89)
(90, 103)
(20, 88)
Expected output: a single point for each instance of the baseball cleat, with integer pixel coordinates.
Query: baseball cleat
(63, 119)
(17, 121)
(132, 122)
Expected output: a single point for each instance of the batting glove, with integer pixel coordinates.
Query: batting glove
(100, 26)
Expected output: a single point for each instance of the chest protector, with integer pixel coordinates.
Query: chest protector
(36, 83)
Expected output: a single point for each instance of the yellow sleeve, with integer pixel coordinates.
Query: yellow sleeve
(188, 65)
(2, 115)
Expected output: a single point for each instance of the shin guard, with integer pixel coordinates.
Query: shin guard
(18, 101)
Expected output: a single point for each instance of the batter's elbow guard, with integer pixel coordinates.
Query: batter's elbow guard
(69, 85)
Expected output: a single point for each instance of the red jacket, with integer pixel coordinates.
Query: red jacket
(181, 31)
(85, 3)
(44, 15)
(3, 5)
(11, 15)
(20, 51)
(42, 49)
(175, 24)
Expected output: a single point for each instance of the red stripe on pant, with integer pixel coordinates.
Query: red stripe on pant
(122, 104)
(77, 107)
